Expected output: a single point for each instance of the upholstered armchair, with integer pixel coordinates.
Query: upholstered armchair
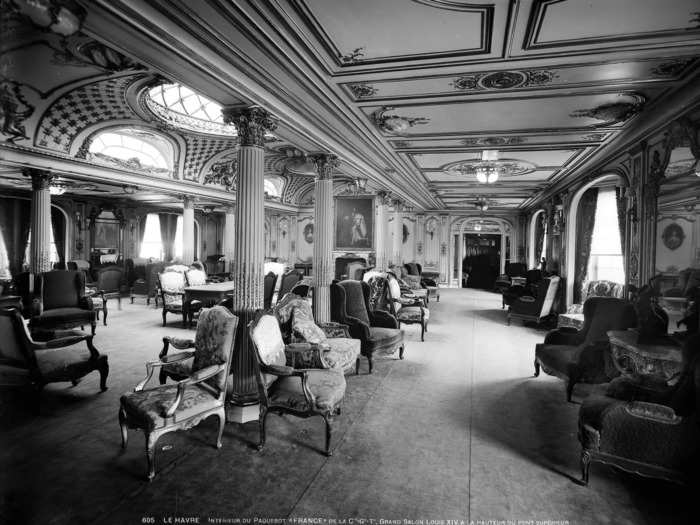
(287, 282)
(377, 330)
(385, 292)
(519, 288)
(601, 288)
(60, 303)
(430, 280)
(26, 363)
(182, 405)
(538, 306)
(148, 284)
(171, 285)
(583, 356)
(330, 341)
(194, 276)
(286, 390)
(107, 286)
(655, 435)
(504, 281)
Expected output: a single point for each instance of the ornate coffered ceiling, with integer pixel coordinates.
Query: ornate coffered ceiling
(400, 90)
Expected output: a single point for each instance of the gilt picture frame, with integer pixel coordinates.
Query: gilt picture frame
(354, 223)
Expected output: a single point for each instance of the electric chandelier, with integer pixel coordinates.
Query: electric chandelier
(487, 171)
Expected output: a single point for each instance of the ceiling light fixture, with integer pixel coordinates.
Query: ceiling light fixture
(487, 171)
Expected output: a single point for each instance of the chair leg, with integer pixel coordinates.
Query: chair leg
(151, 439)
(261, 424)
(222, 423)
(422, 332)
(119, 302)
(162, 376)
(164, 312)
(104, 315)
(508, 319)
(103, 369)
(124, 427)
(357, 366)
(570, 388)
(585, 466)
(401, 348)
(369, 361)
(327, 419)
(537, 368)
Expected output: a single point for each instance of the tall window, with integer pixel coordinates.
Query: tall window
(606, 251)
(152, 245)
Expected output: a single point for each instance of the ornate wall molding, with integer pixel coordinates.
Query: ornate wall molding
(394, 124)
(500, 80)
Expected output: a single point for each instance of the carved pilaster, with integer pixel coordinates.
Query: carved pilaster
(380, 231)
(397, 237)
(251, 123)
(40, 252)
(323, 267)
(188, 250)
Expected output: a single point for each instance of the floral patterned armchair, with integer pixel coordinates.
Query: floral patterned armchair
(331, 341)
(385, 293)
(171, 285)
(602, 288)
(182, 405)
(286, 390)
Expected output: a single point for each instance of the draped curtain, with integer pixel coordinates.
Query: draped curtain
(58, 226)
(15, 221)
(585, 222)
(142, 229)
(539, 237)
(168, 226)
(621, 214)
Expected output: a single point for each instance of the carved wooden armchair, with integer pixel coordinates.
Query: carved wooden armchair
(182, 405)
(171, 286)
(60, 303)
(286, 390)
(107, 286)
(406, 309)
(25, 363)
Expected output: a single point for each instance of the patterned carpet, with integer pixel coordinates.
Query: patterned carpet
(458, 430)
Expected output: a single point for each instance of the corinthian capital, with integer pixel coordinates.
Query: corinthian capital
(325, 164)
(251, 123)
(41, 179)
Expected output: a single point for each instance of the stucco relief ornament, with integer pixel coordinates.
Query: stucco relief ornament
(225, 174)
(14, 110)
(251, 123)
(395, 124)
(614, 112)
(362, 90)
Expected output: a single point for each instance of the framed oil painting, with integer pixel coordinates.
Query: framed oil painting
(354, 223)
(106, 234)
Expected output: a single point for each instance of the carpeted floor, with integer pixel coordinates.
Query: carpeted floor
(458, 430)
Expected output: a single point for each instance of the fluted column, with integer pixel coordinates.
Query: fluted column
(41, 220)
(249, 252)
(229, 236)
(323, 236)
(380, 231)
(188, 251)
(398, 234)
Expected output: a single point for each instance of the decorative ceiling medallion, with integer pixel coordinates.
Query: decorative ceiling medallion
(672, 68)
(500, 80)
(353, 57)
(506, 167)
(225, 174)
(14, 110)
(492, 141)
(395, 124)
(362, 90)
(614, 112)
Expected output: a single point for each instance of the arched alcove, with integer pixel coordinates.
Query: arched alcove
(532, 261)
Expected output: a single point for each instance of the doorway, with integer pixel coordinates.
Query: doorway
(482, 260)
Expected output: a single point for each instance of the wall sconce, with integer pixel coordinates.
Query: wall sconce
(79, 221)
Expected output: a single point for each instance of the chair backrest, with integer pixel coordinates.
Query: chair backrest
(195, 277)
(548, 290)
(79, 264)
(413, 268)
(288, 280)
(533, 276)
(601, 314)
(267, 340)
(172, 282)
(355, 269)
(14, 340)
(378, 293)
(516, 269)
(351, 300)
(109, 278)
(61, 288)
(216, 331)
(269, 282)
(176, 268)
(601, 288)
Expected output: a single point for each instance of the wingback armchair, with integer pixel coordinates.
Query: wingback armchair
(107, 286)
(600, 288)
(377, 330)
(286, 390)
(25, 363)
(60, 302)
(584, 355)
(182, 405)
(651, 435)
(148, 284)
(538, 306)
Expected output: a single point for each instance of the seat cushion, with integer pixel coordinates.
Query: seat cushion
(327, 386)
(412, 314)
(63, 364)
(385, 339)
(148, 406)
(343, 353)
(556, 359)
(64, 314)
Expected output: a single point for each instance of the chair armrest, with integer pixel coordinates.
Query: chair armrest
(180, 344)
(358, 329)
(653, 411)
(152, 365)
(280, 370)
(427, 281)
(410, 301)
(64, 341)
(595, 362)
(382, 319)
(86, 303)
(197, 377)
(175, 358)
(332, 329)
